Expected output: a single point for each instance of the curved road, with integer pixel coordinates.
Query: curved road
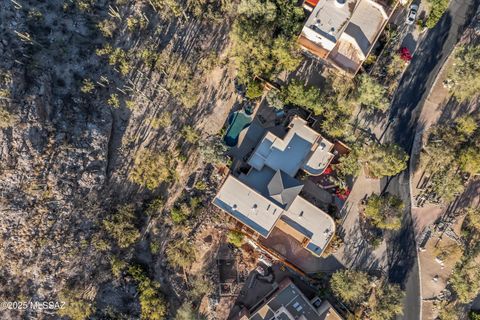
(413, 89)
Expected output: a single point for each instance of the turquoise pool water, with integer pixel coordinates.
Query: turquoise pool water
(236, 123)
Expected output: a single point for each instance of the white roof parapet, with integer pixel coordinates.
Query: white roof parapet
(247, 206)
(310, 220)
(270, 190)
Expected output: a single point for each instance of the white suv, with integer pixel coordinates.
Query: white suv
(412, 13)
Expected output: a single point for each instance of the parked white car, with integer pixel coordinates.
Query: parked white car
(412, 14)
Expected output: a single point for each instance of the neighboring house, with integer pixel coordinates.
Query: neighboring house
(287, 302)
(343, 32)
(268, 195)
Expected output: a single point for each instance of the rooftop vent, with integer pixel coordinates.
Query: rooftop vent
(340, 3)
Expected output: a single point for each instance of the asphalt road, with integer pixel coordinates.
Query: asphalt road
(413, 89)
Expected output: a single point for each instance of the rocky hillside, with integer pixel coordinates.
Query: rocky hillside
(102, 106)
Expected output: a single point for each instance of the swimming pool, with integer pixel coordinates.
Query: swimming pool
(237, 121)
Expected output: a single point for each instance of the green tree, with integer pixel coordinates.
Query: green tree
(474, 315)
(447, 185)
(473, 217)
(254, 90)
(383, 160)
(371, 94)
(349, 165)
(469, 160)
(286, 53)
(465, 71)
(464, 280)
(296, 93)
(449, 310)
(263, 38)
(385, 211)
(152, 302)
(181, 253)
(386, 302)
(466, 125)
(236, 238)
(350, 286)
(180, 213)
(437, 9)
(121, 226)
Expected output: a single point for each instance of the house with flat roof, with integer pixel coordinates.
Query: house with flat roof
(287, 302)
(343, 32)
(268, 195)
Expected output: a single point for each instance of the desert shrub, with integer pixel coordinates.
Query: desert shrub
(76, 307)
(466, 125)
(474, 315)
(437, 9)
(7, 119)
(183, 82)
(181, 212)
(150, 169)
(162, 121)
(130, 104)
(166, 8)
(121, 226)
(100, 244)
(235, 238)
(181, 253)
(154, 206)
(113, 100)
(213, 150)
(117, 266)
(395, 66)
(136, 23)
(87, 86)
(107, 27)
(154, 247)
(469, 160)
(190, 134)
(200, 287)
